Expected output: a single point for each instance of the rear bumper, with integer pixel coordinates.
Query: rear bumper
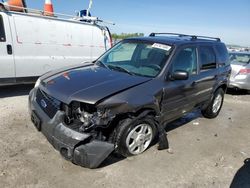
(80, 148)
(240, 81)
(239, 85)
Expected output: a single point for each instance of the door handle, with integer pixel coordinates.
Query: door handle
(205, 79)
(196, 82)
(9, 49)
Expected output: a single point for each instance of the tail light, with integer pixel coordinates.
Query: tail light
(244, 71)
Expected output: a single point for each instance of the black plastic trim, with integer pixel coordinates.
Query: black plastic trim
(20, 80)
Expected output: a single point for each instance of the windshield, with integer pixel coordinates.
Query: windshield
(136, 58)
(239, 58)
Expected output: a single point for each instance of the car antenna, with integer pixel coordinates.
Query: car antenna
(90, 5)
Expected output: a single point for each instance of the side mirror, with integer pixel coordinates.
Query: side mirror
(179, 75)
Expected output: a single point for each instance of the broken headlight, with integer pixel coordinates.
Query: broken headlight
(88, 116)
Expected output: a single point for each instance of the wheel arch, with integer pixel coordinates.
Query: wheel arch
(223, 86)
(140, 113)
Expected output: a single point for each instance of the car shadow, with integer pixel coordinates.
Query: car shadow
(242, 177)
(183, 120)
(237, 92)
(15, 90)
(112, 159)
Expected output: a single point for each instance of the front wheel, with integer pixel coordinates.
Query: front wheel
(133, 137)
(213, 109)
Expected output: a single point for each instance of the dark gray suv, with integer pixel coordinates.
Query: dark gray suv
(121, 101)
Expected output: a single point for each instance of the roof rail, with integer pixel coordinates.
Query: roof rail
(193, 37)
(205, 37)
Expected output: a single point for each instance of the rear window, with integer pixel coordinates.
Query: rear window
(207, 58)
(2, 33)
(239, 58)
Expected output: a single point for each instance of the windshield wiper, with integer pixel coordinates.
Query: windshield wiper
(118, 68)
(102, 64)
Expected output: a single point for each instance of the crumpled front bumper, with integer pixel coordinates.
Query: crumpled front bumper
(80, 148)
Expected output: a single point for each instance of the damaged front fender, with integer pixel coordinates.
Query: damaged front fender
(122, 105)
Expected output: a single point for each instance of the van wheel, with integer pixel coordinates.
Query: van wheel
(215, 105)
(133, 137)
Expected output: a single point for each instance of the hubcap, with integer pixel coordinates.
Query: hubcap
(139, 139)
(217, 103)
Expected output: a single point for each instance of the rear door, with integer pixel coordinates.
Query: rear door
(101, 41)
(7, 67)
(108, 43)
(208, 73)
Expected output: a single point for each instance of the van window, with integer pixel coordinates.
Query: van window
(207, 58)
(2, 33)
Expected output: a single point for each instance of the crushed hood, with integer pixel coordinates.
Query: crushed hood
(88, 84)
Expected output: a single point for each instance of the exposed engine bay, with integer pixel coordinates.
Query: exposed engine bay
(86, 117)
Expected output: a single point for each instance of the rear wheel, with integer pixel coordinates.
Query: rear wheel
(213, 109)
(133, 137)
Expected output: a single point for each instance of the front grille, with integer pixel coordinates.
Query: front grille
(49, 104)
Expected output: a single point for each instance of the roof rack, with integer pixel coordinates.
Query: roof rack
(193, 37)
(28, 11)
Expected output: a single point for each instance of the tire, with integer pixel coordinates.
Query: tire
(134, 136)
(214, 107)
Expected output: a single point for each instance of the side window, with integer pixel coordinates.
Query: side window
(2, 33)
(123, 53)
(207, 58)
(186, 60)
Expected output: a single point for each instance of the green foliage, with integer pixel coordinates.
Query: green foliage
(126, 35)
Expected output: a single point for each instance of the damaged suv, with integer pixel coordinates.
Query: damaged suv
(121, 101)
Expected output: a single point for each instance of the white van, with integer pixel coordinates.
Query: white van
(32, 44)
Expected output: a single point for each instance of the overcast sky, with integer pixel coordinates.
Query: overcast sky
(227, 19)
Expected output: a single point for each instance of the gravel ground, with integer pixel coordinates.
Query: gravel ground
(206, 153)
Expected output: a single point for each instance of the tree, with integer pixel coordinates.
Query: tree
(126, 35)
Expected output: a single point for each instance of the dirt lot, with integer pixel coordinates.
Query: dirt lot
(206, 153)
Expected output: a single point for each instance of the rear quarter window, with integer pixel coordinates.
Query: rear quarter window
(2, 33)
(207, 57)
(222, 54)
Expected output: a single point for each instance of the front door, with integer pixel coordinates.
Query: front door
(179, 95)
(7, 66)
